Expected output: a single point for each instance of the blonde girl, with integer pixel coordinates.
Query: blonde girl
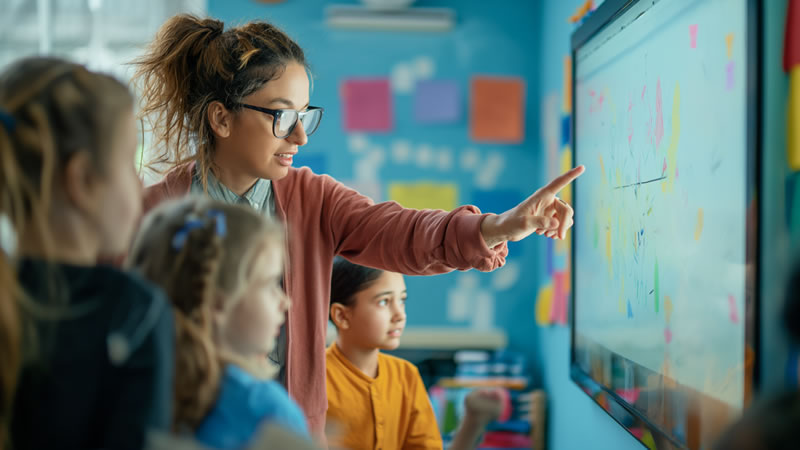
(221, 266)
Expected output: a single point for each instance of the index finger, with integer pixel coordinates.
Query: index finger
(563, 180)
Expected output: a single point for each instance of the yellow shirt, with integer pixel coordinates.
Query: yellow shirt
(390, 411)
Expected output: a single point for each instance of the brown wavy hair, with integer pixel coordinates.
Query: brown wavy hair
(54, 110)
(193, 62)
(206, 268)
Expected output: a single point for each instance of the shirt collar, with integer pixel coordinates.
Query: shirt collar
(255, 196)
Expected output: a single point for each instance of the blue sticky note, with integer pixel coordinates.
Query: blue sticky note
(630, 311)
(317, 162)
(551, 244)
(437, 101)
(565, 130)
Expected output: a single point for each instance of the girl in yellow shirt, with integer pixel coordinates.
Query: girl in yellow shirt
(378, 401)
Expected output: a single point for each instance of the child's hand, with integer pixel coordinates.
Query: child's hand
(484, 405)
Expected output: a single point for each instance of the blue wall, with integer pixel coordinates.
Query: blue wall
(527, 39)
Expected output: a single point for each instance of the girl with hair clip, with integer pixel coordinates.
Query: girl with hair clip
(228, 110)
(92, 349)
(221, 265)
(379, 400)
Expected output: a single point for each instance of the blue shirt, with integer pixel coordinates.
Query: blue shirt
(246, 403)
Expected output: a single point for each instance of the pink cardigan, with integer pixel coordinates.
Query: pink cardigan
(324, 218)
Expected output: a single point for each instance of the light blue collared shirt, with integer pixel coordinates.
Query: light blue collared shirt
(259, 196)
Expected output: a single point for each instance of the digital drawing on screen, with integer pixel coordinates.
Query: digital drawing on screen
(661, 262)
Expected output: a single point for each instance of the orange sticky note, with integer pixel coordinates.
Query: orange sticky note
(567, 106)
(497, 110)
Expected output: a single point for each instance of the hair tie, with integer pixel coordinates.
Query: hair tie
(220, 228)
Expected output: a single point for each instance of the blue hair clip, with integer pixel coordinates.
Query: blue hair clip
(7, 120)
(179, 239)
(182, 234)
(219, 219)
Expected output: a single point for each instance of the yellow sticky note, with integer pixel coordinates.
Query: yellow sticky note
(566, 165)
(544, 305)
(497, 109)
(793, 120)
(698, 229)
(425, 195)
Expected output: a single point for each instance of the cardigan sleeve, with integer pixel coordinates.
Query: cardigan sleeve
(409, 241)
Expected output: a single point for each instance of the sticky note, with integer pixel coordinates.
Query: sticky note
(559, 312)
(693, 36)
(698, 229)
(497, 109)
(544, 305)
(550, 256)
(317, 162)
(667, 335)
(566, 130)
(630, 310)
(437, 101)
(567, 89)
(425, 195)
(566, 165)
(791, 38)
(367, 105)
(729, 73)
(793, 119)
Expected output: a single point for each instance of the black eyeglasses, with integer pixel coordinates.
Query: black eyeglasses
(286, 119)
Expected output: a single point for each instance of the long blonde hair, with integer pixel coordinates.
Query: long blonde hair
(210, 263)
(51, 110)
(193, 62)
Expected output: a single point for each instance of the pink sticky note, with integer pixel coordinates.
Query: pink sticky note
(667, 335)
(693, 36)
(559, 311)
(734, 314)
(729, 69)
(367, 105)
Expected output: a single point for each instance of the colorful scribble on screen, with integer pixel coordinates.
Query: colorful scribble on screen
(660, 232)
